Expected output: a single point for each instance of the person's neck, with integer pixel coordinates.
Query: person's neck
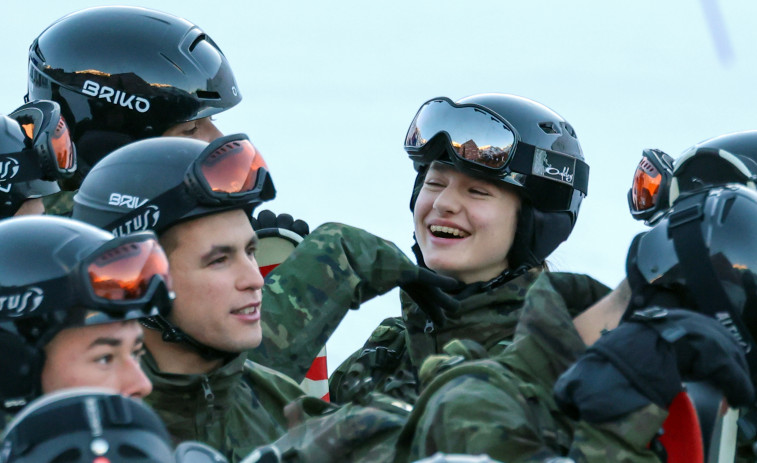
(177, 358)
(604, 315)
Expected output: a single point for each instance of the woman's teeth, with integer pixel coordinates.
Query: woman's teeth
(447, 232)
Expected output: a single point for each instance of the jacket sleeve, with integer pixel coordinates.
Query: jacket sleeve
(484, 410)
(335, 268)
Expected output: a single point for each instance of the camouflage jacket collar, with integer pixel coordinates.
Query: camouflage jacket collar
(216, 385)
(488, 317)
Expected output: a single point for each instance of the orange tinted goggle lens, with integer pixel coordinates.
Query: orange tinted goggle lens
(646, 186)
(233, 168)
(64, 149)
(124, 273)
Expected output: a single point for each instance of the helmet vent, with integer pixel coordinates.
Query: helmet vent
(38, 52)
(569, 129)
(727, 209)
(549, 127)
(199, 39)
(208, 95)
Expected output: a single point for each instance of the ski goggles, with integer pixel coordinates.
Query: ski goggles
(125, 278)
(52, 155)
(659, 181)
(482, 141)
(230, 171)
(648, 195)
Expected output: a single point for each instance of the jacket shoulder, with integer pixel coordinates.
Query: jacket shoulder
(276, 384)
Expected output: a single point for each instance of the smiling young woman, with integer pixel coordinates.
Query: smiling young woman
(499, 184)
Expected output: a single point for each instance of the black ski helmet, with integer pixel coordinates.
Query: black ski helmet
(743, 144)
(550, 207)
(127, 180)
(45, 267)
(12, 196)
(701, 255)
(86, 425)
(125, 73)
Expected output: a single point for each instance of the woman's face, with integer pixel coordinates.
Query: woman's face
(464, 225)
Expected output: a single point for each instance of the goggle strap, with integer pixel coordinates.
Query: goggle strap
(171, 205)
(523, 163)
(684, 228)
(20, 301)
(28, 164)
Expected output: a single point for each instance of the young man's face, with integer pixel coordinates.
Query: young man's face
(216, 280)
(105, 355)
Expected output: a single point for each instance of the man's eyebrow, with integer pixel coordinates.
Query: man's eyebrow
(113, 342)
(254, 241)
(215, 250)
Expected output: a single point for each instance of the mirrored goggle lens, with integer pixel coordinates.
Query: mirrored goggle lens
(62, 145)
(233, 167)
(124, 273)
(475, 135)
(645, 190)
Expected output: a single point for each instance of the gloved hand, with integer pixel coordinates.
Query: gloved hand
(646, 359)
(277, 238)
(427, 289)
(267, 221)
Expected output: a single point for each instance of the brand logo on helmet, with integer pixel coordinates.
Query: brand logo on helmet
(116, 97)
(144, 221)
(132, 202)
(8, 168)
(23, 303)
(554, 166)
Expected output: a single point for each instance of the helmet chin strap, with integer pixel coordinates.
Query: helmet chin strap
(173, 334)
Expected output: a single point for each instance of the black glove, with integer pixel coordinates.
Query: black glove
(427, 289)
(646, 359)
(267, 220)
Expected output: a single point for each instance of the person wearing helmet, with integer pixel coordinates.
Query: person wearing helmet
(659, 180)
(35, 150)
(499, 185)
(613, 401)
(197, 197)
(70, 299)
(123, 73)
(84, 425)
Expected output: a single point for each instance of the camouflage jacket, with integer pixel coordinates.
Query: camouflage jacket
(504, 407)
(390, 359)
(334, 269)
(233, 409)
(322, 432)
(60, 203)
